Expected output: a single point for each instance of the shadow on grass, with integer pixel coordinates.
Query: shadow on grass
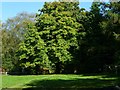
(72, 84)
(114, 76)
(75, 84)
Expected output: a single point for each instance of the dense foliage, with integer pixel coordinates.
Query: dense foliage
(69, 39)
(12, 33)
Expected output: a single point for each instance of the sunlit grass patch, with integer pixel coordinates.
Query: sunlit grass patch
(58, 81)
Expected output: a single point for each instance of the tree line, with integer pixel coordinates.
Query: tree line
(63, 38)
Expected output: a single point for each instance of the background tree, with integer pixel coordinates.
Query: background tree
(0, 44)
(111, 27)
(91, 42)
(97, 49)
(99, 45)
(12, 34)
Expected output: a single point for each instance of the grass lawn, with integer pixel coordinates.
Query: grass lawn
(57, 81)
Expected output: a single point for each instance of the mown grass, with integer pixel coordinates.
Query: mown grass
(57, 81)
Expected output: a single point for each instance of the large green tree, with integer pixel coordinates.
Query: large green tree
(54, 38)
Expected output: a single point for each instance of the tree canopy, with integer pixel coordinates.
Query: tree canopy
(67, 39)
